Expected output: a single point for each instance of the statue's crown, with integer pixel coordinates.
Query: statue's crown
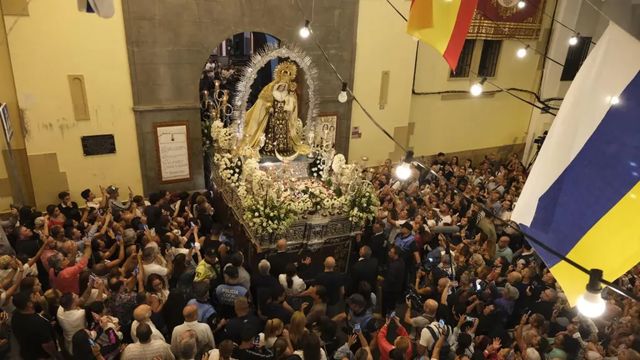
(286, 69)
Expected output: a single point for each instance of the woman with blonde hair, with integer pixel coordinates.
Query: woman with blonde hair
(297, 329)
(272, 330)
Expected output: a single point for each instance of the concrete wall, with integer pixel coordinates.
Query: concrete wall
(54, 41)
(459, 122)
(170, 40)
(383, 45)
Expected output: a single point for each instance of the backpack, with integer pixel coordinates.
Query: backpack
(445, 350)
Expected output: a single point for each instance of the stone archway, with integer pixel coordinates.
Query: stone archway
(167, 41)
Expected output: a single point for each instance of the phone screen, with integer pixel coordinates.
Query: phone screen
(356, 328)
(441, 322)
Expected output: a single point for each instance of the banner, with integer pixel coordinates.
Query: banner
(503, 19)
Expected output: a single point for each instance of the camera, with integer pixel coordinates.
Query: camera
(414, 297)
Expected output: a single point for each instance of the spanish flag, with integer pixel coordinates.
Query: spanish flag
(582, 198)
(443, 24)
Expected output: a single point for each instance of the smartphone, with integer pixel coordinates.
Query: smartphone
(356, 328)
(392, 315)
(478, 285)
(256, 341)
(91, 342)
(441, 322)
(471, 318)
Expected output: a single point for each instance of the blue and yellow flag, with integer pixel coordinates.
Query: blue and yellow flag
(582, 197)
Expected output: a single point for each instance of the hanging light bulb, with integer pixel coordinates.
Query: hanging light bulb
(403, 171)
(342, 97)
(305, 31)
(522, 4)
(573, 40)
(522, 52)
(476, 89)
(591, 304)
(614, 100)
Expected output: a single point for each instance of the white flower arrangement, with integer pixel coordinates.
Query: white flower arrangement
(272, 214)
(362, 204)
(270, 206)
(224, 138)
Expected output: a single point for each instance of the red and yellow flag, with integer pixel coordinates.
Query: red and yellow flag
(443, 24)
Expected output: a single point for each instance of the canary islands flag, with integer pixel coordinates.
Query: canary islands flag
(443, 24)
(582, 197)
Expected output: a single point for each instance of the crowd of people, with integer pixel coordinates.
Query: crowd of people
(436, 275)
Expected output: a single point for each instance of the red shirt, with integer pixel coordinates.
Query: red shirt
(385, 346)
(68, 280)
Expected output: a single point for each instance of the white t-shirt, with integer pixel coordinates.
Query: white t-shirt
(298, 285)
(71, 321)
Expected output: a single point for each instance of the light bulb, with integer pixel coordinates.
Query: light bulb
(591, 304)
(614, 100)
(476, 89)
(403, 171)
(342, 97)
(573, 40)
(305, 31)
(521, 4)
(522, 52)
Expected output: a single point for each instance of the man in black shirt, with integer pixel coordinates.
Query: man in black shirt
(365, 269)
(280, 259)
(251, 348)
(32, 330)
(377, 243)
(245, 320)
(392, 287)
(332, 281)
(262, 280)
(67, 207)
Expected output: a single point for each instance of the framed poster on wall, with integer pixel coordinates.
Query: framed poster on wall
(172, 145)
(326, 129)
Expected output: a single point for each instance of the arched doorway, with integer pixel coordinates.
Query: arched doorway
(217, 87)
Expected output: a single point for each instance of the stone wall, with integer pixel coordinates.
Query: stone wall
(169, 41)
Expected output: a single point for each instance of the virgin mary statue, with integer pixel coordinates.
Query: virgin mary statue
(272, 125)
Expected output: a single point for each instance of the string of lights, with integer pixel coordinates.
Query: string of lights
(477, 88)
(591, 303)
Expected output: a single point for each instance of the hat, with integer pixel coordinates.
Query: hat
(407, 225)
(5, 260)
(356, 299)
(210, 252)
(111, 189)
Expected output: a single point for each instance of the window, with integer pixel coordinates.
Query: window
(464, 62)
(489, 58)
(575, 57)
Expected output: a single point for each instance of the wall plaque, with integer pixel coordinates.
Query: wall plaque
(98, 144)
(172, 141)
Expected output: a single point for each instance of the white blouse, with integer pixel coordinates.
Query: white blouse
(298, 285)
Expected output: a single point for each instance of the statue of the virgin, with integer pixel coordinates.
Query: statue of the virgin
(272, 125)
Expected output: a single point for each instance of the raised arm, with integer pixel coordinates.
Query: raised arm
(35, 258)
(120, 258)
